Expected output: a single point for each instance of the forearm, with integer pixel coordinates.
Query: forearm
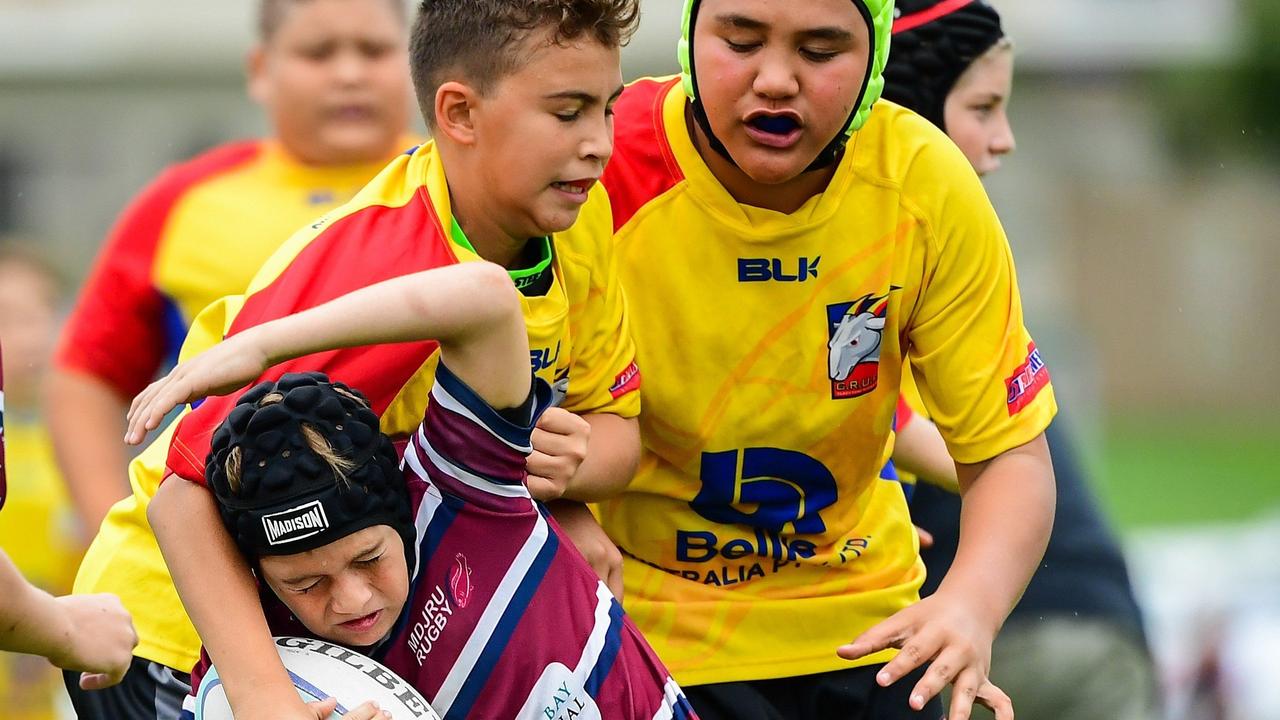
(613, 451)
(446, 304)
(219, 594)
(30, 621)
(86, 422)
(1006, 515)
(920, 450)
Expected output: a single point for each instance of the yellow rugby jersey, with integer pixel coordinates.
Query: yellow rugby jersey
(397, 225)
(198, 232)
(757, 534)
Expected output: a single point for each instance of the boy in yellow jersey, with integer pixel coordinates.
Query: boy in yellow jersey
(331, 75)
(519, 98)
(786, 243)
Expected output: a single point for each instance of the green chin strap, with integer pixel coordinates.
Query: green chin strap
(879, 13)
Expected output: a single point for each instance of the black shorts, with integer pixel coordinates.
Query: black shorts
(149, 690)
(839, 695)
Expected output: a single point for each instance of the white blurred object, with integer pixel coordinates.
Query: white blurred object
(1211, 596)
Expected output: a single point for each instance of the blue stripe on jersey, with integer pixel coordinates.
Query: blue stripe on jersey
(500, 640)
(510, 432)
(439, 525)
(609, 653)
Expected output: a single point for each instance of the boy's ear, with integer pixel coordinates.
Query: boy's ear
(255, 66)
(455, 108)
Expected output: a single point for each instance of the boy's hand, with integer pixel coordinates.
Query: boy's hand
(559, 447)
(221, 369)
(580, 526)
(941, 630)
(99, 639)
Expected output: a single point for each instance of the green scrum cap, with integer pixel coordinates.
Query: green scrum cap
(879, 17)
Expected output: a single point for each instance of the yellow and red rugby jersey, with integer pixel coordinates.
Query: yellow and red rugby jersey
(397, 225)
(198, 232)
(758, 535)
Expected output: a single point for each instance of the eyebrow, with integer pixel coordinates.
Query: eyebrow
(300, 579)
(583, 96)
(742, 22)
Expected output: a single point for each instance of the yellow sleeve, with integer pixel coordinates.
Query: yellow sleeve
(603, 376)
(978, 371)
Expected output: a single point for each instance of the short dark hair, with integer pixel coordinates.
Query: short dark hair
(271, 15)
(481, 39)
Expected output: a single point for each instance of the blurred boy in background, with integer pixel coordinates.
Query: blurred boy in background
(1074, 646)
(38, 527)
(333, 78)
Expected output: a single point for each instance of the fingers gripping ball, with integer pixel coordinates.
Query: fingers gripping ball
(322, 670)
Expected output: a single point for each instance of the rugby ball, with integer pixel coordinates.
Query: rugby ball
(320, 670)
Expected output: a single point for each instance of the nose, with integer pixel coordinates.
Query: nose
(1002, 140)
(597, 144)
(775, 78)
(349, 67)
(350, 595)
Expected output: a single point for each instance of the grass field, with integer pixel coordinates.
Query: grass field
(1162, 471)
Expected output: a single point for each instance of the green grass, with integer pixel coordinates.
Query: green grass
(1160, 472)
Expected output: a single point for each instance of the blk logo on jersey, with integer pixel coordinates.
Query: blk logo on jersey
(855, 330)
(295, 523)
(777, 269)
(1027, 381)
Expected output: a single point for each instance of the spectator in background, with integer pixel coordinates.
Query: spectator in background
(1074, 646)
(333, 78)
(38, 528)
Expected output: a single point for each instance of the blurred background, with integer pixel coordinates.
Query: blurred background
(1143, 205)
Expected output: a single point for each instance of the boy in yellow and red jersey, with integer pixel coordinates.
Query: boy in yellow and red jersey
(785, 246)
(331, 75)
(519, 98)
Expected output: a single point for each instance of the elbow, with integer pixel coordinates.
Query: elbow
(499, 301)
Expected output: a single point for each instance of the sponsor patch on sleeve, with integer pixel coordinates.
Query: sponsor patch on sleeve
(1027, 381)
(626, 381)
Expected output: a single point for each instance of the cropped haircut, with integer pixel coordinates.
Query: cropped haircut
(482, 41)
(271, 14)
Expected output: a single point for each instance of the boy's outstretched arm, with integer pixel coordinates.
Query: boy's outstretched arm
(90, 633)
(471, 309)
(1006, 515)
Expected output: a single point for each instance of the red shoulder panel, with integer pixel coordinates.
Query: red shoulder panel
(368, 246)
(642, 166)
(117, 331)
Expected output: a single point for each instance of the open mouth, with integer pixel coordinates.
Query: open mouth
(778, 130)
(774, 124)
(362, 624)
(575, 188)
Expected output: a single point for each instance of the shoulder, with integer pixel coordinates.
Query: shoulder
(146, 213)
(643, 166)
(213, 163)
(900, 151)
(390, 224)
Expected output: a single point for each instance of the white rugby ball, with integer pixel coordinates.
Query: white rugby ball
(320, 670)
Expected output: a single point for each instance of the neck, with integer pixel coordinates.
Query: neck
(479, 221)
(785, 197)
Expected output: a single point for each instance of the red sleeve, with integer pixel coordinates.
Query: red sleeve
(344, 257)
(122, 326)
(903, 416)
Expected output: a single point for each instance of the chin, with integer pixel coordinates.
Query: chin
(772, 169)
(358, 145)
